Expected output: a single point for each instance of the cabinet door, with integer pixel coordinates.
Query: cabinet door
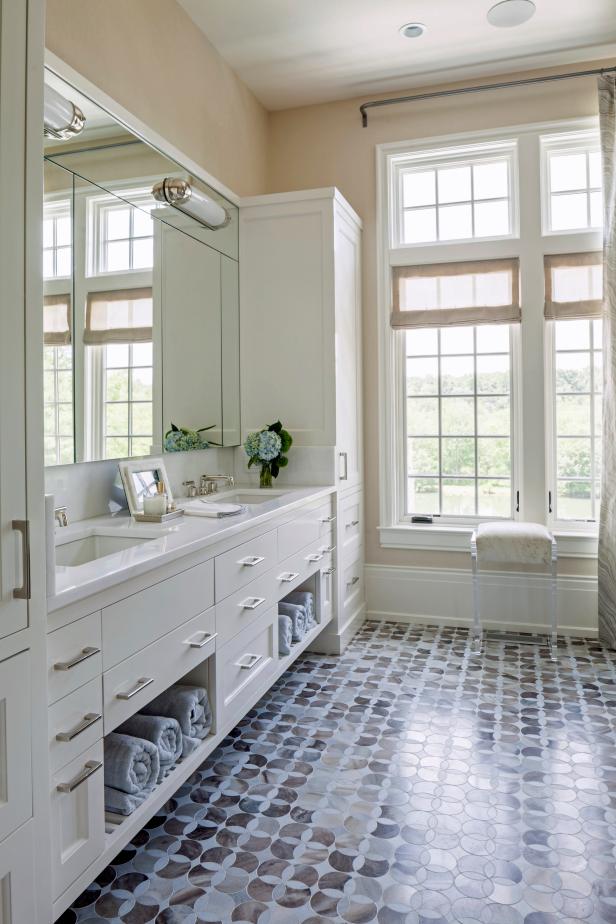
(15, 745)
(13, 557)
(17, 890)
(77, 817)
(348, 351)
(287, 330)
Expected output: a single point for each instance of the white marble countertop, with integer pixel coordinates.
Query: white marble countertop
(169, 541)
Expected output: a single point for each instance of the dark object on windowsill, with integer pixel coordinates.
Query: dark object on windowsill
(421, 519)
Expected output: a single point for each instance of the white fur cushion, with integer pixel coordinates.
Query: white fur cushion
(523, 543)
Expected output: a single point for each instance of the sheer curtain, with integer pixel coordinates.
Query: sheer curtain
(607, 528)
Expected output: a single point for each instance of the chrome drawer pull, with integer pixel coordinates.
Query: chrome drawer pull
(253, 660)
(90, 767)
(89, 719)
(251, 560)
(141, 684)
(207, 637)
(83, 655)
(352, 523)
(327, 549)
(288, 576)
(352, 582)
(251, 603)
(316, 556)
(329, 571)
(329, 519)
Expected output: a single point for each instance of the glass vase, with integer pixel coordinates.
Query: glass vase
(265, 478)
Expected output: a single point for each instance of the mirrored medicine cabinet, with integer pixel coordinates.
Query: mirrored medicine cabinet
(141, 302)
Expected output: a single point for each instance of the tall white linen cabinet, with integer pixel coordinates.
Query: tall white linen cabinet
(22, 595)
(301, 348)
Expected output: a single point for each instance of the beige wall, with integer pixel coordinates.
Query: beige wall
(150, 57)
(325, 145)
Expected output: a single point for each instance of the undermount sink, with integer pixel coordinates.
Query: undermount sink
(94, 546)
(251, 497)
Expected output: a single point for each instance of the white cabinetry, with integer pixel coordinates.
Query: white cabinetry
(301, 321)
(14, 564)
(300, 267)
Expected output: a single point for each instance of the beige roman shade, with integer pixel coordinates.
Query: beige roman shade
(442, 294)
(57, 320)
(573, 285)
(119, 316)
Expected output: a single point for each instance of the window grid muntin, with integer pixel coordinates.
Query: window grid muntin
(51, 365)
(130, 436)
(506, 157)
(105, 240)
(591, 147)
(53, 213)
(475, 395)
(594, 481)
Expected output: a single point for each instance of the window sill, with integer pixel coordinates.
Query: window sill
(439, 538)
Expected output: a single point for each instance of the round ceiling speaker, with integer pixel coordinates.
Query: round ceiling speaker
(509, 13)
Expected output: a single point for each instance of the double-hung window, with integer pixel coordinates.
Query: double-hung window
(118, 326)
(57, 332)
(573, 307)
(457, 321)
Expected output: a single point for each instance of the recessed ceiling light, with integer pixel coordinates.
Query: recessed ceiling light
(412, 30)
(511, 13)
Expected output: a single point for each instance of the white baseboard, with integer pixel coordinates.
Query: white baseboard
(335, 641)
(508, 601)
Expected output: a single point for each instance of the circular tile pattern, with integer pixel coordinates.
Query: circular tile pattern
(406, 782)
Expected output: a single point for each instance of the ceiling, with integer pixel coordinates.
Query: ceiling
(298, 52)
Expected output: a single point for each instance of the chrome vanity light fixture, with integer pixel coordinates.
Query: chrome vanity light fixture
(62, 119)
(181, 195)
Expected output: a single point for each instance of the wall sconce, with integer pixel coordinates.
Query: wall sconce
(182, 196)
(61, 118)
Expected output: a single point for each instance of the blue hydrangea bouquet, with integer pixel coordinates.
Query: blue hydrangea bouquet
(267, 448)
(182, 439)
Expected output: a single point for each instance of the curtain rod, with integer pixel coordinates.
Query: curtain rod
(438, 94)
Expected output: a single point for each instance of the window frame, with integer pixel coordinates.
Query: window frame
(455, 156)
(530, 415)
(574, 142)
(587, 526)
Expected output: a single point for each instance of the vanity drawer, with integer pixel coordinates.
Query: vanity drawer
(353, 586)
(73, 656)
(244, 563)
(75, 723)
(77, 817)
(244, 664)
(131, 624)
(308, 528)
(133, 683)
(351, 528)
(238, 611)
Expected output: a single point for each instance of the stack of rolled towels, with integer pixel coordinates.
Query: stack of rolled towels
(144, 749)
(296, 617)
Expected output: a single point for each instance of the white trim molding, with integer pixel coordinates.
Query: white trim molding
(512, 602)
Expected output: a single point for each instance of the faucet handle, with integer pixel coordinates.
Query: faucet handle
(191, 488)
(61, 516)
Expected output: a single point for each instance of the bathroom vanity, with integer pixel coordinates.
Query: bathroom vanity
(227, 329)
(197, 600)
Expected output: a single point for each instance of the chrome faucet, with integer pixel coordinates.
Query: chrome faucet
(208, 483)
(61, 516)
(191, 488)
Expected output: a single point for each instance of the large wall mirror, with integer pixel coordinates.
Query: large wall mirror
(141, 299)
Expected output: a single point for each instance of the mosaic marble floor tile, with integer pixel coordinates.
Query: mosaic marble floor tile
(406, 782)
